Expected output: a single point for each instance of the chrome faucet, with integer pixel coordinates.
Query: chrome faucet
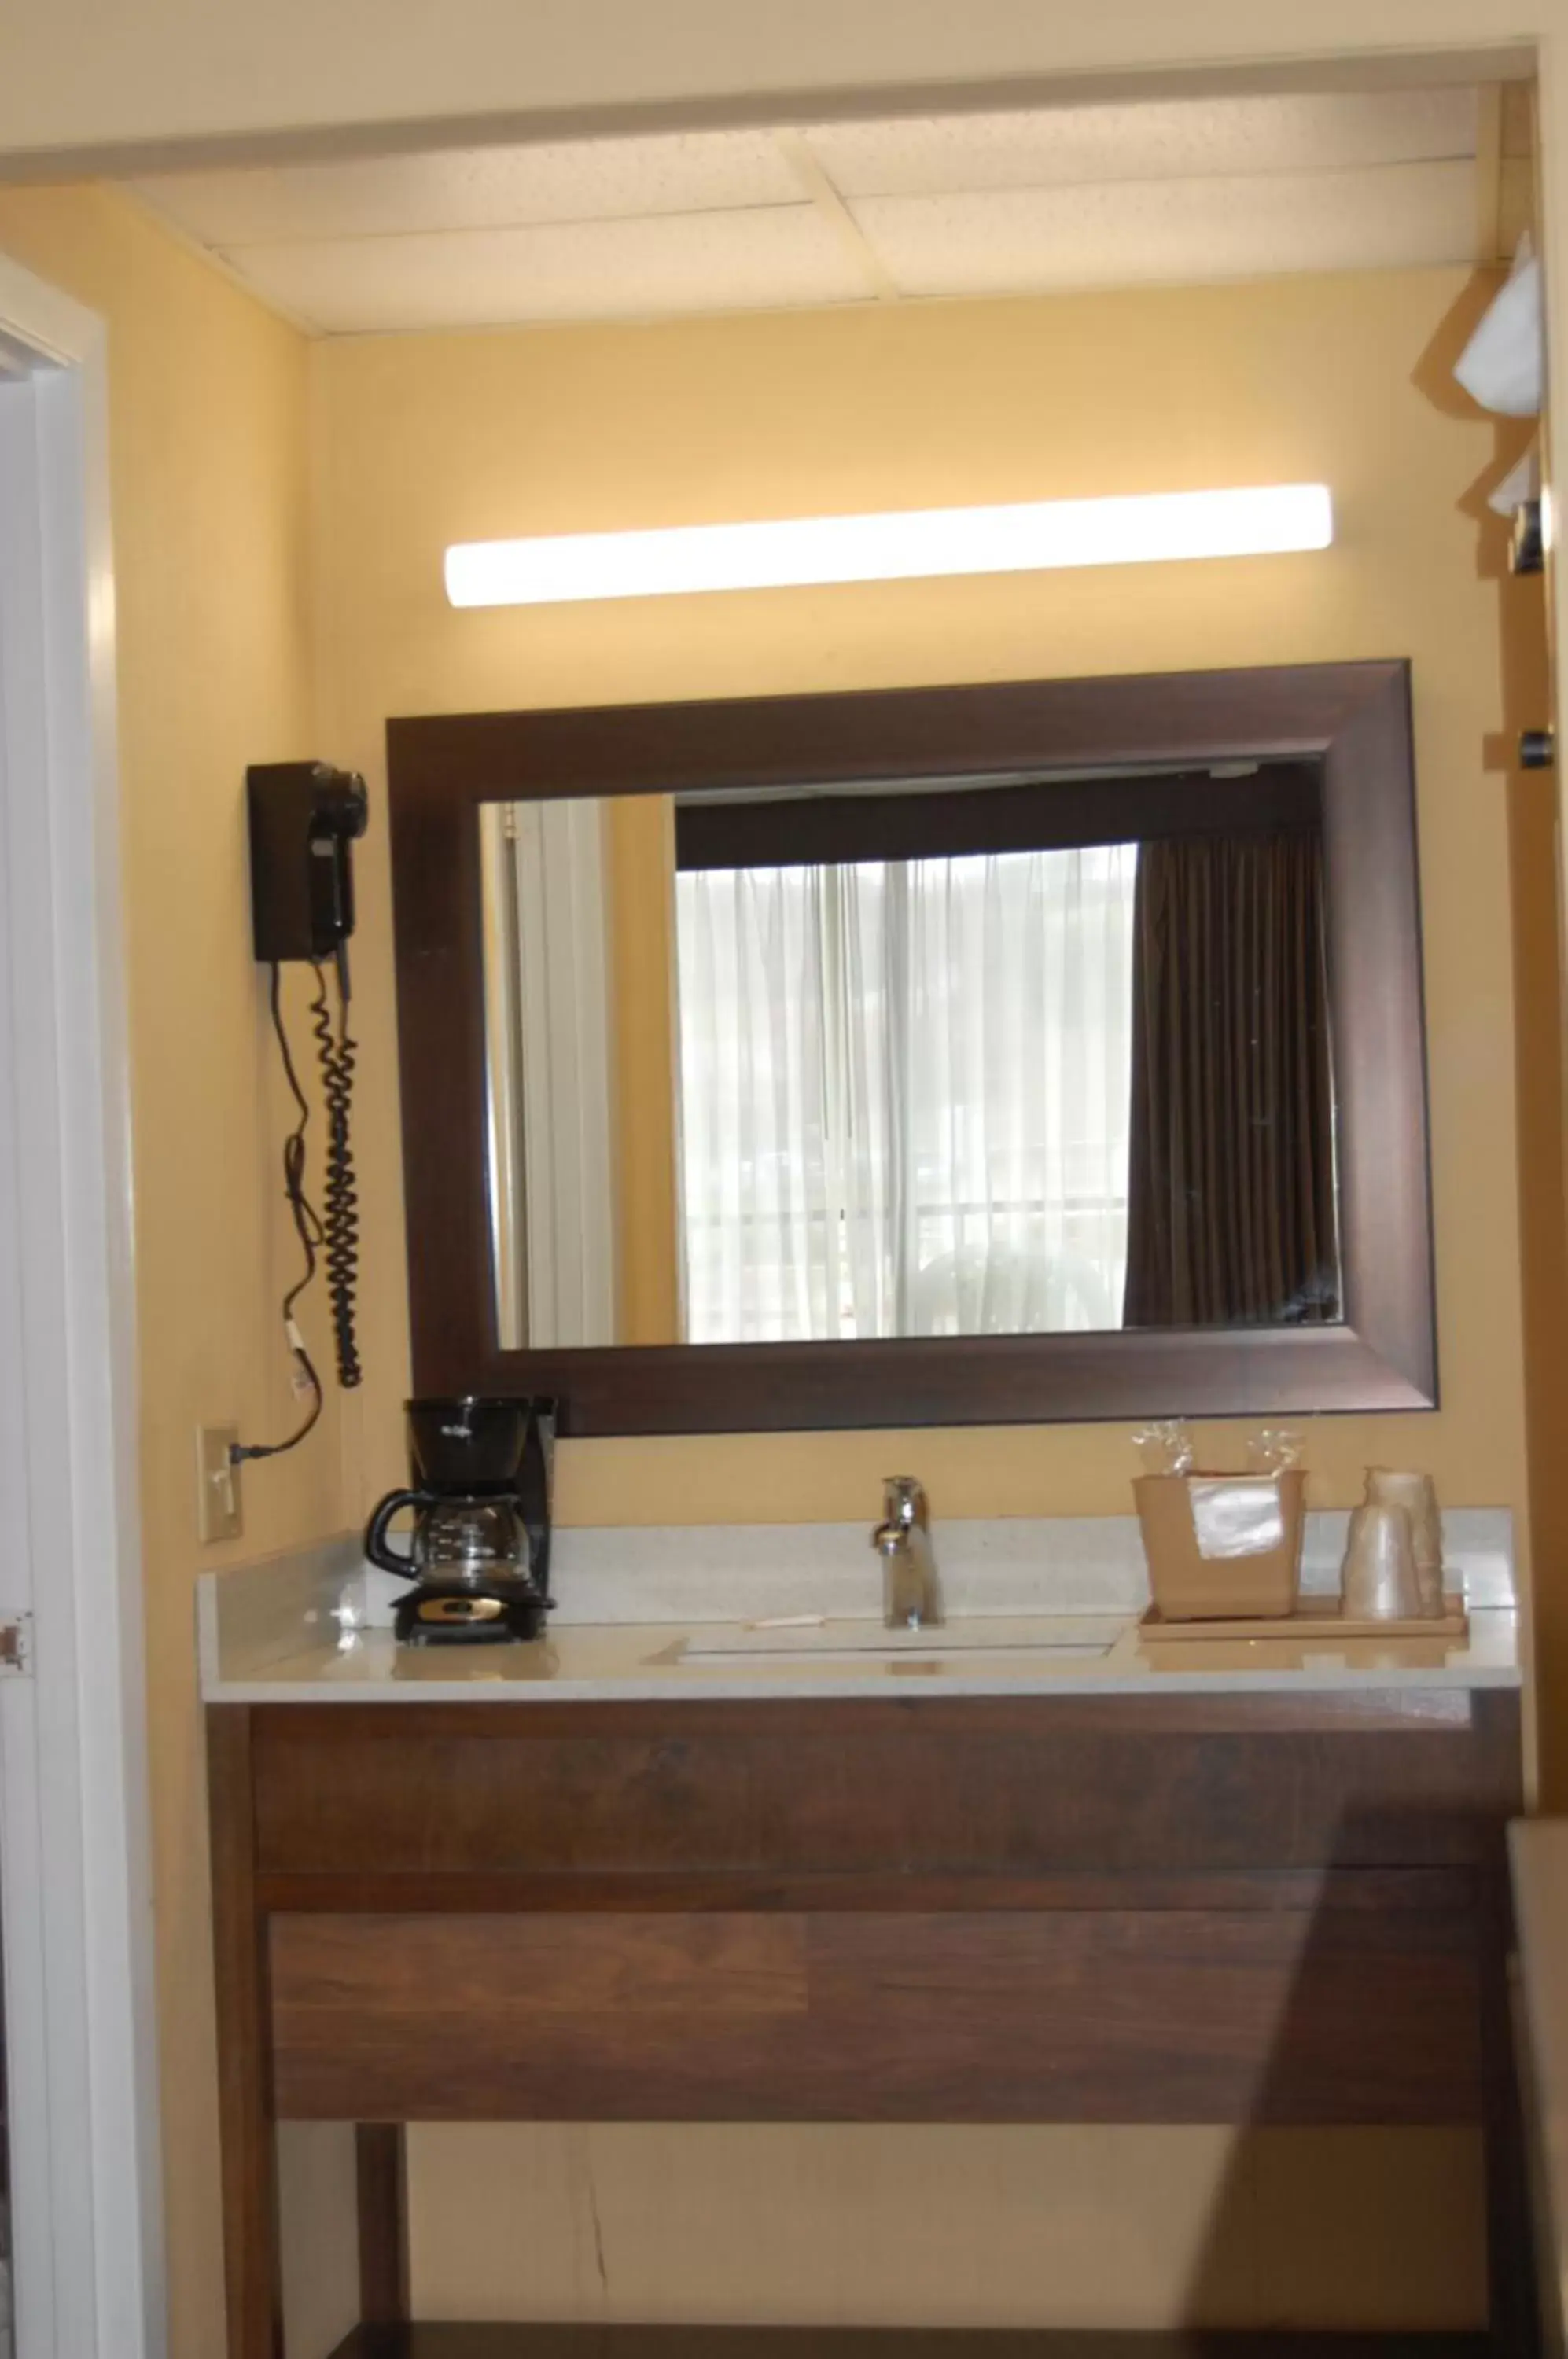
(911, 1593)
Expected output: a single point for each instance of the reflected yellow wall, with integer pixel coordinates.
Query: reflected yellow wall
(642, 919)
(428, 439)
(208, 424)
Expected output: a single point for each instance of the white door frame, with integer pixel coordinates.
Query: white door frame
(75, 1866)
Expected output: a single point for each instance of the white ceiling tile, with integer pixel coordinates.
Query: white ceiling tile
(956, 205)
(1151, 141)
(1134, 233)
(481, 188)
(588, 270)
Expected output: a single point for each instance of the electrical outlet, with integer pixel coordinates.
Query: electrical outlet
(219, 1515)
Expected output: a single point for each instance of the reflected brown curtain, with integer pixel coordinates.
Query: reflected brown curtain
(1231, 1211)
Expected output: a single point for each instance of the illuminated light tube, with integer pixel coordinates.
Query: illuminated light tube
(1036, 535)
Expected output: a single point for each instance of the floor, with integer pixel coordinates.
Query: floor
(436, 2342)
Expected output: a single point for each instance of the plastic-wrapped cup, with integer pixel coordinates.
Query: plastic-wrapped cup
(1386, 1487)
(1378, 1581)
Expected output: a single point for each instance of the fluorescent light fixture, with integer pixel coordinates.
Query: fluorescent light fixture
(1033, 537)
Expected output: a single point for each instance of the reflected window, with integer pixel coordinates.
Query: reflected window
(905, 1092)
(979, 1058)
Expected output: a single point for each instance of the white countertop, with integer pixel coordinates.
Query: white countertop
(1009, 1655)
(1036, 1606)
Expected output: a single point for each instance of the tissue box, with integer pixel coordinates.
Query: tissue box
(1222, 1547)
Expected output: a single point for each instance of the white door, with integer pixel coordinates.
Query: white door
(80, 2219)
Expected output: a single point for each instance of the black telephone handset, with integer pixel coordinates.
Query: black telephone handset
(304, 818)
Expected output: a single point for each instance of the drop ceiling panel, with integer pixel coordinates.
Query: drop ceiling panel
(583, 270)
(749, 220)
(1213, 138)
(1132, 233)
(485, 188)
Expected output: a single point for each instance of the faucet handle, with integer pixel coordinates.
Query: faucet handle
(903, 1500)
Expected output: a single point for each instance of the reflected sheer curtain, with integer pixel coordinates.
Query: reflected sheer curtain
(904, 1092)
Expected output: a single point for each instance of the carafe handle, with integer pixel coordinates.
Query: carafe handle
(375, 1547)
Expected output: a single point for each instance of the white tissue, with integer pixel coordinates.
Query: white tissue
(1235, 1517)
(1503, 366)
(1521, 483)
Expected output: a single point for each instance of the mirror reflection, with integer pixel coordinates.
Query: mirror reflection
(999, 1057)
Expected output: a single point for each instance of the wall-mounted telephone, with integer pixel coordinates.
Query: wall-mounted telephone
(304, 817)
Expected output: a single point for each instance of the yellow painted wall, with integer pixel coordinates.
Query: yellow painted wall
(518, 432)
(1525, 644)
(208, 424)
(1530, 801)
(422, 440)
(997, 2226)
(429, 440)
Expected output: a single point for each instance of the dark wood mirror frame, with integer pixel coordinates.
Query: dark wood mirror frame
(1354, 720)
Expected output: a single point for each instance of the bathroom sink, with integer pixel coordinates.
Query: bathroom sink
(1061, 1637)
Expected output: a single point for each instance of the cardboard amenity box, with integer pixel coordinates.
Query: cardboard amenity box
(1222, 1547)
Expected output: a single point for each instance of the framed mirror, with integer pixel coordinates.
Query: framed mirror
(1034, 1051)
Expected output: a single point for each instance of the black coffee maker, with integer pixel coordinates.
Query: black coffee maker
(480, 1552)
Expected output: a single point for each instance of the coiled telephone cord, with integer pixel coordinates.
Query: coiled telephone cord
(335, 1238)
(340, 1196)
(308, 1230)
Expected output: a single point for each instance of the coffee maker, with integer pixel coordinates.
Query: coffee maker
(479, 1557)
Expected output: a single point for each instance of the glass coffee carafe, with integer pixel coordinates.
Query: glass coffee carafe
(480, 1502)
(469, 1540)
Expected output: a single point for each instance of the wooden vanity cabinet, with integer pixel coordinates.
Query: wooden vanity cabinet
(1285, 1908)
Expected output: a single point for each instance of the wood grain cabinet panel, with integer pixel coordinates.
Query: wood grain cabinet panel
(1001, 1788)
(1345, 2014)
(1251, 1909)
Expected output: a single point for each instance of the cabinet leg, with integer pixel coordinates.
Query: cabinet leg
(1515, 2311)
(250, 2267)
(383, 2224)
